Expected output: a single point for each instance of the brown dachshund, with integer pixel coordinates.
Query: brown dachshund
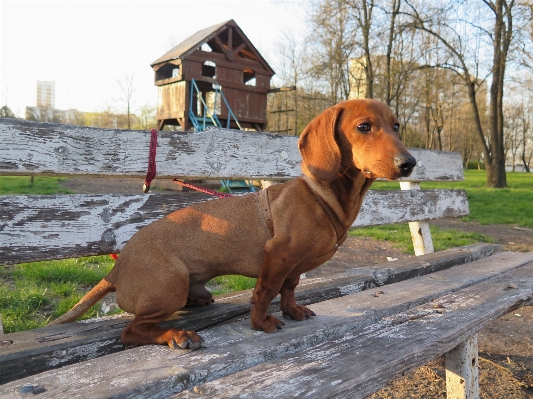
(275, 235)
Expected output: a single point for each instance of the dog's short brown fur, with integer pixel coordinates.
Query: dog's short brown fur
(166, 265)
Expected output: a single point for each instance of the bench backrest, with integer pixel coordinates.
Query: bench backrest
(43, 227)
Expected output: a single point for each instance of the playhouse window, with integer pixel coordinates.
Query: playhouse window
(209, 69)
(168, 71)
(248, 77)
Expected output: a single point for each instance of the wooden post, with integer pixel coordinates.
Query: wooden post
(462, 381)
(420, 234)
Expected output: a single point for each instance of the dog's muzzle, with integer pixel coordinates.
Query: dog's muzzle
(405, 164)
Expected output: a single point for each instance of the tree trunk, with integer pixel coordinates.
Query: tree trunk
(388, 78)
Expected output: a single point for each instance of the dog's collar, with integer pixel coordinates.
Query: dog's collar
(264, 203)
(340, 232)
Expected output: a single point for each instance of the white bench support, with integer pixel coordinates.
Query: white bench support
(422, 242)
(462, 381)
(462, 362)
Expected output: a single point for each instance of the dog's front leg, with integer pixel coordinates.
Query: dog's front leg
(288, 305)
(278, 263)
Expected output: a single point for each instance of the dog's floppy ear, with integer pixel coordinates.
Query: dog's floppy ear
(320, 152)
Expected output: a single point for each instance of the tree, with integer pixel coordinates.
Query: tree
(462, 29)
(128, 89)
(333, 45)
(362, 11)
(147, 117)
(5, 112)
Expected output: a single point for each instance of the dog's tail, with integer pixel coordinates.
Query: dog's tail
(98, 292)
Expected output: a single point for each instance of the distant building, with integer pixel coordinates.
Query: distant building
(45, 110)
(46, 114)
(46, 94)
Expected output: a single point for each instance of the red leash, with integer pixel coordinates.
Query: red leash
(151, 161)
(202, 189)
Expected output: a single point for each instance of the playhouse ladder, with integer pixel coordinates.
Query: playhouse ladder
(209, 118)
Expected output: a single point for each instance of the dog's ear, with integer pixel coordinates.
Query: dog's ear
(320, 152)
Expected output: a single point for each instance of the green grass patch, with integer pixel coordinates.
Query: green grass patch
(12, 185)
(224, 284)
(400, 235)
(31, 294)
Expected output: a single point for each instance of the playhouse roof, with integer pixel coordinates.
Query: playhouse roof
(216, 38)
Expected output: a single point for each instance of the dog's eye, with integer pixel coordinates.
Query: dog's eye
(364, 127)
(396, 128)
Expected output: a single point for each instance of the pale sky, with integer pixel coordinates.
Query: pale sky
(86, 46)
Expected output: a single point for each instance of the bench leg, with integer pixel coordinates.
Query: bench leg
(462, 381)
(422, 242)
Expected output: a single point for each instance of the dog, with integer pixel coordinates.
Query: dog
(274, 235)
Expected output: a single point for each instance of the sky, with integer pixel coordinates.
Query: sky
(87, 46)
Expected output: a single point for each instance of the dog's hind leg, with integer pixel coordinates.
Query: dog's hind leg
(153, 299)
(144, 330)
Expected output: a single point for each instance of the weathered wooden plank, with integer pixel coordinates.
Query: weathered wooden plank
(382, 207)
(34, 228)
(56, 149)
(42, 349)
(155, 371)
(361, 362)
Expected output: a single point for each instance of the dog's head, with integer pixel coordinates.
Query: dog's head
(355, 133)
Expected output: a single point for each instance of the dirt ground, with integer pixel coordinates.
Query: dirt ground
(505, 345)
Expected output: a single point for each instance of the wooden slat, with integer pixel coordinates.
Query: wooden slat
(360, 363)
(389, 207)
(157, 371)
(47, 348)
(56, 149)
(34, 228)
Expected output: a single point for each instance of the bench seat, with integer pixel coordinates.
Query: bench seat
(390, 327)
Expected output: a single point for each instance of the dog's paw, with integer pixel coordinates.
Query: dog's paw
(297, 312)
(184, 339)
(269, 324)
(187, 344)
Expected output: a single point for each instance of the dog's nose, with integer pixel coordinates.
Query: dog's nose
(405, 164)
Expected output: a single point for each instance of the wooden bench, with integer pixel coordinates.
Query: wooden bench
(362, 337)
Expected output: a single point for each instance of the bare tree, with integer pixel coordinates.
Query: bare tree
(462, 29)
(362, 11)
(127, 87)
(333, 44)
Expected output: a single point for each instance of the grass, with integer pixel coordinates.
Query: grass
(224, 284)
(33, 293)
(12, 185)
(400, 235)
